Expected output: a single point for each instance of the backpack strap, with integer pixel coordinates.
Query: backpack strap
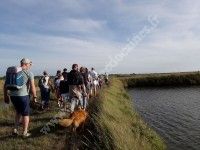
(28, 81)
(27, 75)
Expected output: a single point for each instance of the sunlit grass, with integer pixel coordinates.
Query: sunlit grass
(126, 129)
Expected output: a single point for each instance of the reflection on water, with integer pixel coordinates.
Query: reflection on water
(173, 112)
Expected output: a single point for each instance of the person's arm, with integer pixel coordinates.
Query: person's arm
(6, 97)
(51, 85)
(33, 90)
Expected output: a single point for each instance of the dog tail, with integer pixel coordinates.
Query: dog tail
(65, 122)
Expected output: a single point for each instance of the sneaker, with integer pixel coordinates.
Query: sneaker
(25, 135)
(15, 132)
(59, 105)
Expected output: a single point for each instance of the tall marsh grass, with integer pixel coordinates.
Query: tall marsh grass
(121, 126)
(162, 80)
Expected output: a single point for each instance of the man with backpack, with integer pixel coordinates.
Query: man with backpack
(19, 80)
(44, 85)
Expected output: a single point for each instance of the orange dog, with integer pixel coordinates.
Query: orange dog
(77, 118)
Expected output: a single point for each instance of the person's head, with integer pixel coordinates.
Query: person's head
(82, 69)
(45, 73)
(92, 68)
(26, 63)
(86, 70)
(65, 70)
(59, 75)
(64, 74)
(75, 67)
(58, 72)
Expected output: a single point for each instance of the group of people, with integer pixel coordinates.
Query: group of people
(72, 89)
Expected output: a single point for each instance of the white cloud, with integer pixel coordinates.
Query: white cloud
(56, 51)
(64, 32)
(77, 25)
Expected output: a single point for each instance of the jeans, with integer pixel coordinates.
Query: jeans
(73, 104)
(76, 102)
(45, 96)
(85, 102)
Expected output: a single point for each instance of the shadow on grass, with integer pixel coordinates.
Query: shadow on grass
(45, 120)
(8, 137)
(5, 123)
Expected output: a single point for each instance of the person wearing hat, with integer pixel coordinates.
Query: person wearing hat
(20, 97)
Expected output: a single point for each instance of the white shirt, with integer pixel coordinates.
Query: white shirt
(94, 74)
(46, 80)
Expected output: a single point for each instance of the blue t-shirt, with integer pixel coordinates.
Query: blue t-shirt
(24, 91)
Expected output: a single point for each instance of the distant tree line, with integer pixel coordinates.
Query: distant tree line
(165, 80)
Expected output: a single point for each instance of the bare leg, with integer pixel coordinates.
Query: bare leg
(25, 123)
(17, 120)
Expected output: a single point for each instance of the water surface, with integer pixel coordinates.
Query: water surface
(173, 112)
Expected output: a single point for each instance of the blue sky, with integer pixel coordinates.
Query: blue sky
(57, 33)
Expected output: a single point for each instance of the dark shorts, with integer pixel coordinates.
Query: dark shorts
(21, 104)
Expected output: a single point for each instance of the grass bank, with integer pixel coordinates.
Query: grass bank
(121, 126)
(159, 80)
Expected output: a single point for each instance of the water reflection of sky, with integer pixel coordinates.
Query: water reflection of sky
(173, 112)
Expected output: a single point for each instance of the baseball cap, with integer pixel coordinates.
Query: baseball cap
(26, 61)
